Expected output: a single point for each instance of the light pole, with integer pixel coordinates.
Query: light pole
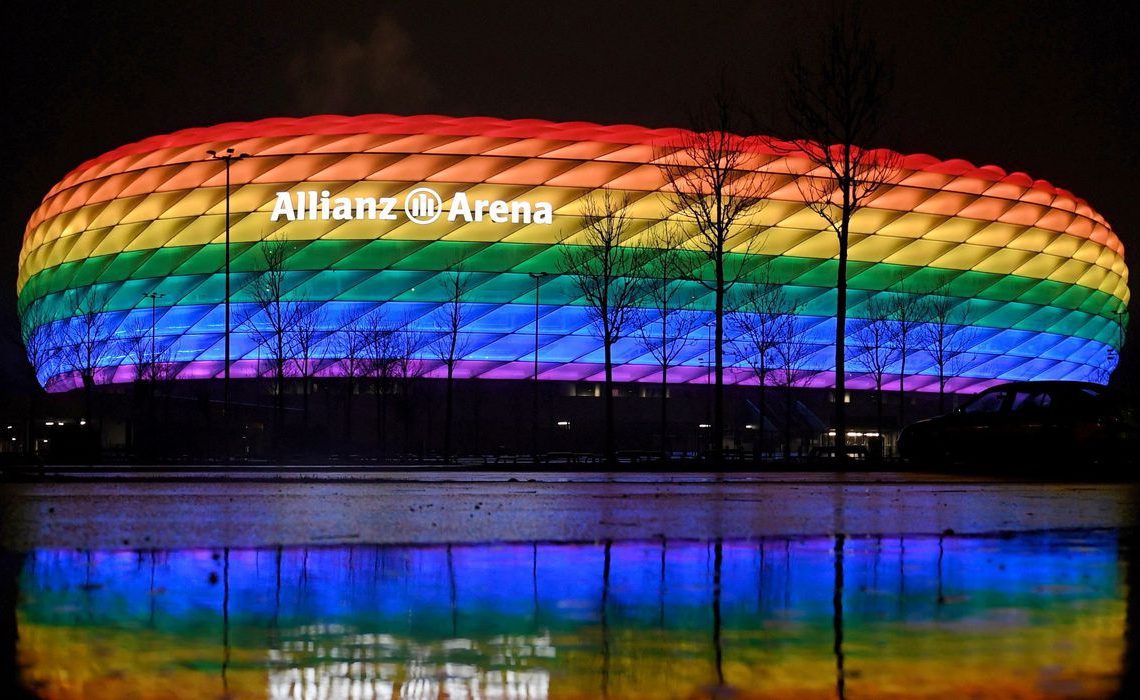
(708, 383)
(537, 277)
(228, 158)
(150, 381)
(154, 297)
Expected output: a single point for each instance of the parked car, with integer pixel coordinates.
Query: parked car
(1025, 423)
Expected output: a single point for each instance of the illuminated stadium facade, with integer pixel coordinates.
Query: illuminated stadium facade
(1038, 275)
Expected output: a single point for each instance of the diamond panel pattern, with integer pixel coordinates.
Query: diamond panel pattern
(1041, 274)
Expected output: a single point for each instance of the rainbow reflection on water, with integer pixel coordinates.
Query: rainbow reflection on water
(1036, 615)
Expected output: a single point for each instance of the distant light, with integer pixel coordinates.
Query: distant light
(831, 433)
(854, 434)
(45, 439)
(9, 427)
(564, 423)
(50, 422)
(83, 422)
(704, 425)
(13, 439)
(750, 427)
(871, 434)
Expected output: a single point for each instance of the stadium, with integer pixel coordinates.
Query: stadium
(132, 244)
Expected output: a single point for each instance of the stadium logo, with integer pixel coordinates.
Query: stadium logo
(423, 205)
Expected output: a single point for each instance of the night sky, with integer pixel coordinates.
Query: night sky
(1051, 89)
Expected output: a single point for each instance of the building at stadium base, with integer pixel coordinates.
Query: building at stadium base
(380, 212)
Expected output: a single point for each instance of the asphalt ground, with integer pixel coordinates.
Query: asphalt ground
(421, 506)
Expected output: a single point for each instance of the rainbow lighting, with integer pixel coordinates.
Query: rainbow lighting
(1039, 276)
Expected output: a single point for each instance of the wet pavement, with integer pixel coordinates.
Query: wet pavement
(419, 584)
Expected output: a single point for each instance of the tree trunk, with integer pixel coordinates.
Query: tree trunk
(879, 406)
(718, 353)
(92, 436)
(348, 413)
(609, 403)
(383, 436)
(406, 406)
(788, 422)
(840, 339)
(902, 389)
(664, 410)
(879, 441)
(758, 446)
(305, 389)
(279, 414)
(448, 403)
(31, 434)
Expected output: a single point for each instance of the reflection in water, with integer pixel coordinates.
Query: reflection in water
(1027, 615)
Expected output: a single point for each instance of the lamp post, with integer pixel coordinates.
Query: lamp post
(151, 378)
(228, 157)
(537, 277)
(708, 382)
(154, 297)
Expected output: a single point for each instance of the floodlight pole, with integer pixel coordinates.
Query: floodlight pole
(228, 157)
(153, 296)
(537, 277)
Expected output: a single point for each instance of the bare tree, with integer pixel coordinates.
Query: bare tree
(350, 344)
(907, 312)
(41, 347)
(452, 343)
(946, 336)
(792, 353)
(715, 185)
(1103, 371)
(139, 352)
(763, 321)
(153, 368)
(836, 106)
(664, 331)
(605, 272)
(1104, 367)
(874, 350)
(39, 336)
(151, 357)
(408, 368)
(1122, 325)
(304, 338)
(88, 345)
(272, 321)
(381, 356)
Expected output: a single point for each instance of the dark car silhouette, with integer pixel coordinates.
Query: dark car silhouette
(1026, 423)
